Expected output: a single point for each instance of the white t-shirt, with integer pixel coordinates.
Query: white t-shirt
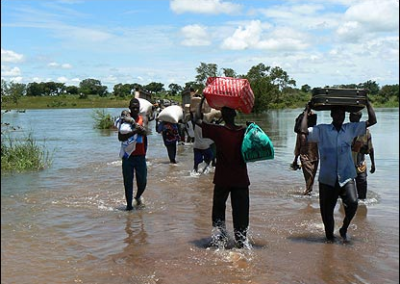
(200, 142)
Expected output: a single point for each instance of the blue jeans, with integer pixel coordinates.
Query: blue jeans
(130, 166)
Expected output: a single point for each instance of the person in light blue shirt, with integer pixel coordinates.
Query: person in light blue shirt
(337, 171)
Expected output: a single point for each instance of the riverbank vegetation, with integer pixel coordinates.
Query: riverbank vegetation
(24, 155)
(272, 86)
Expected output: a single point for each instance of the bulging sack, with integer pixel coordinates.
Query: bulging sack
(256, 145)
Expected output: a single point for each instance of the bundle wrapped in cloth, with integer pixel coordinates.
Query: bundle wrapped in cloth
(229, 92)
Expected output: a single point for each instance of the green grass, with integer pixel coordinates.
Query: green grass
(66, 101)
(23, 155)
(95, 101)
(102, 119)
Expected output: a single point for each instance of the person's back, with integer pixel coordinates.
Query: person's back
(230, 177)
(230, 169)
(170, 135)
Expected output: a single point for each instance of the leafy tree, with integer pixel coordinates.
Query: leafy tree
(306, 88)
(123, 90)
(35, 89)
(4, 89)
(16, 91)
(72, 90)
(229, 72)
(174, 89)
(204, 71)
(389, 91)
(54, 89)
(154, 87)
(371, 86)
(281, 79)
(92, 87)
(262, 86)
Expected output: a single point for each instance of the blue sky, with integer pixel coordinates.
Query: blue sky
(317, 42)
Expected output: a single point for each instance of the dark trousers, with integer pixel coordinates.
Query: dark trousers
(130, 166)
(328, 196)
(361, 182)
(240, 202)
(171, 149)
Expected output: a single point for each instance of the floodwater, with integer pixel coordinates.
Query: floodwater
(66, 224)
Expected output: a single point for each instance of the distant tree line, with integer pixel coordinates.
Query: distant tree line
(272, 87)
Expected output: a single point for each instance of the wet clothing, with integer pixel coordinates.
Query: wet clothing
(327, 201)
(309, 159)
(240, 203)
(130, 166)
(335, 151)
(230, 177)
(201, 147)
(171, 137)
(362, 146)
(135, 163)
(230, 170)
(337, 171)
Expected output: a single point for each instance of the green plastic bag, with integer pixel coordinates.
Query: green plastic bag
(256, 145)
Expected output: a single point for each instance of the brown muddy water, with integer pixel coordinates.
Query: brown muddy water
(66, 224)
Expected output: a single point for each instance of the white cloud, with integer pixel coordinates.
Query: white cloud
(7, 71)
(350, 31)
(11, 56)
(58, 65)
(18, 79)
(204, 7)
(195, 35)
(375, 15)
(244, 37)
(66, 66)
(252, 36)
(85, 34)
(62, 79)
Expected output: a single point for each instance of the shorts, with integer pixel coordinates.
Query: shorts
(200, 155)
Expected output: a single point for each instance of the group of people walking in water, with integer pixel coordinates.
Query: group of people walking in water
(337, 148)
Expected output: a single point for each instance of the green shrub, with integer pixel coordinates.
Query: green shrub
(102, 119)
(23, 155)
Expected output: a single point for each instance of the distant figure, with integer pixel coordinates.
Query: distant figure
(308, 152)
(337, 171)
(137, 93)
(170, 135)
(361, 146)
(201, 148)
(230, 177)
(135, 163)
